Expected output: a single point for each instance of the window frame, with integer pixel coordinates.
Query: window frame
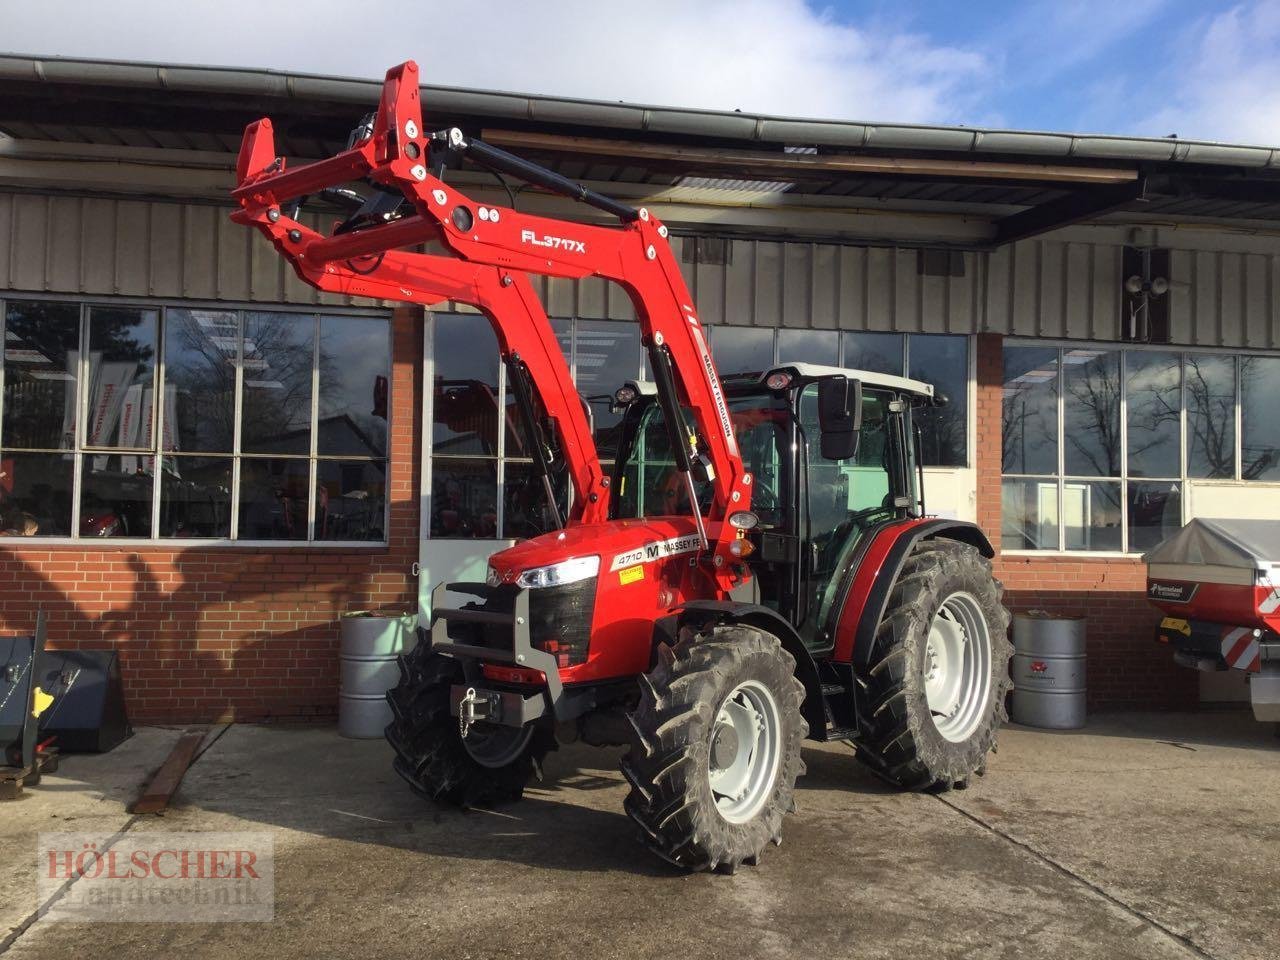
(1060, 478)
(80, 450)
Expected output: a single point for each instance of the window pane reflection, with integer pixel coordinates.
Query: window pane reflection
(41, 364)
(195, 496)
(115, 495)
(1029, 411)
(465, 403)
(942, 361)
(742, 349)
(525, 510)
(1155, 512)
(608, 354)
(276, 402)
(877, 352)
(122, 355)
(1091, 515)
(809, 346)
(464, 497)
(1211, 416)
(200, 351)
(1154, 382)
(1259, 393)
(355, 378)
(273, 498)
(1091, 413)
(351, 500)
(35, 494)
(1029, 514)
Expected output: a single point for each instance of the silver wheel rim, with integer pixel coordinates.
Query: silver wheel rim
(957, 667)
(493, 745)
(740, 786)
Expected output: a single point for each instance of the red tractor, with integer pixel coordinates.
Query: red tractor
(757, 569)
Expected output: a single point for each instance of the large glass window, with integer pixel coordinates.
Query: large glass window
(1260, 418)
(194, 423)
(1099, 444)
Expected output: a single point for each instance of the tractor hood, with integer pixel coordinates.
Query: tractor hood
(618, 543)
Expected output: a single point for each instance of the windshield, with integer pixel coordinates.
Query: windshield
(650, 485)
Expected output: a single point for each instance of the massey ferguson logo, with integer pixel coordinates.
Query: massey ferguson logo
(656, 551)
(1171, 592)
(554, 243)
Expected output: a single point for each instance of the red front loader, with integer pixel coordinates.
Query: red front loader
(758, 568)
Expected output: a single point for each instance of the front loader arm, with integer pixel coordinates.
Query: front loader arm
(636, 255)
(505, 298)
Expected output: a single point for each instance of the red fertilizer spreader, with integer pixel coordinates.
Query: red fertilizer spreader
(1218, 584)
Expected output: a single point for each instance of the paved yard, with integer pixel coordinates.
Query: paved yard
(1144, 836)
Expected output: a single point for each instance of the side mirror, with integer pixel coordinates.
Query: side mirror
(839, 416)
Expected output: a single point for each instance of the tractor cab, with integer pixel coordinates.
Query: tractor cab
(833, 456)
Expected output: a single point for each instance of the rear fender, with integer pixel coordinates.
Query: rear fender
(879, 566)
(762, 618)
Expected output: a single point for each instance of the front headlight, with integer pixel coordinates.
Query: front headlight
(558, 574)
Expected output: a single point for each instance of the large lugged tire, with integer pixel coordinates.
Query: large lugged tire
(939, 671)
(431, 755)
(715, 750)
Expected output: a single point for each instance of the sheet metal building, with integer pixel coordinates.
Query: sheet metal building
(204, 463)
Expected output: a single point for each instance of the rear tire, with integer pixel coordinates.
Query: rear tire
(431, 755)
(715, 750)
(940, 670)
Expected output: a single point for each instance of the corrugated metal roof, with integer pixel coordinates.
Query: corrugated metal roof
(748, 128)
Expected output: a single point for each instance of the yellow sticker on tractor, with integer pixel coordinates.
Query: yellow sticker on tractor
(631, 574)
(1173, 623)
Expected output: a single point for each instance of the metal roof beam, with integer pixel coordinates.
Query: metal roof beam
(1063, 212)
(775, 165)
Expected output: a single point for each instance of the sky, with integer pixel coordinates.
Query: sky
(1192, 68)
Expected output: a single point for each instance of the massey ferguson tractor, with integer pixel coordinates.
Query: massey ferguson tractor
(757, 569)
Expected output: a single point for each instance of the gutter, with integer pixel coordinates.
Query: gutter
(744, 127)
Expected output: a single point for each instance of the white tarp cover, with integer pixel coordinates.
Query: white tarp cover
(1248, 544)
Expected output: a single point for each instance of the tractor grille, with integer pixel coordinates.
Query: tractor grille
(560, 620)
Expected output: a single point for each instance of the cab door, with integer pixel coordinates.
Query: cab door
(842, 501)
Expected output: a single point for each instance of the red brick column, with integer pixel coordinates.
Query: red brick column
(1125, 666)
(224, 632)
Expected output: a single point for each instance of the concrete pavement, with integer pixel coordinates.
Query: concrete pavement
(1142, 836)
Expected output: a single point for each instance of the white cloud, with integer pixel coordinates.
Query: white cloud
(1225, 82)
(776, 56)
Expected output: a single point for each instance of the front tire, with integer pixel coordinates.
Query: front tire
(715, 750)
(431, 755)
(939, 671)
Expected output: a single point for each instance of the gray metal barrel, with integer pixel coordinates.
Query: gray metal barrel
(1048, 670)
(368, 647)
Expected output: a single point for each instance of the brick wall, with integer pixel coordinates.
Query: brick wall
(209, 633)
(1125, 667)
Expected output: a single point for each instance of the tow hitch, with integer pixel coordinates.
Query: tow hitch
(475, 706)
